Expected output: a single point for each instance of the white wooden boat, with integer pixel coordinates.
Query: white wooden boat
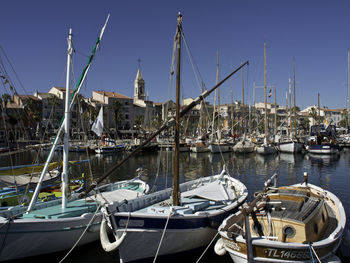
(290, 146)
(244, 146)
(60, 224)
(217, 147)
(205, 203)
(296, 223)
(176, 219)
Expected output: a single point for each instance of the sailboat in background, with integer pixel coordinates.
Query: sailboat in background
(265, 148)
(108, 146)
(218, 145)
(290, 144)
(57, 225)
(201, 144)
(324, 142)
(244, 145)
(177, 219)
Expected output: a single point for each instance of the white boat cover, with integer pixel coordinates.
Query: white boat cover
(214, 191)
(117, 196)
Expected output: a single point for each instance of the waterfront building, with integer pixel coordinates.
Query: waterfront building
(328, 116)
(114, 103)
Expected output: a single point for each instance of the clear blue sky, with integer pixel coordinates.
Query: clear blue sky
(317, 33)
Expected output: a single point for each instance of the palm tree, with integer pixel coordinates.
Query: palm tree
(314, 114)
(117, 108)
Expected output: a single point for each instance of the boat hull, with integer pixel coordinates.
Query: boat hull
(47, 229)
(189, 226)
(218, 148)
(290, 147)
(323, 149)
(266, 149)
(174, 241)
(22, 238)
(271, 250)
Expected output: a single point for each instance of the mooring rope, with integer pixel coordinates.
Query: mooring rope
(205, 250)
(161, 239)
(315, 253)
(82, 234)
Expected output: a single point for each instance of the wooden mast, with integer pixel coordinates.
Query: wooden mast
(295, 122)
(290, 110)
(265, 90)
(275, 112)
(243, 106)
(177, 118)
(319, 115)
(217, 81)
(232, 115)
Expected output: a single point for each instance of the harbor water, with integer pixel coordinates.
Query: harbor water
(330, 172)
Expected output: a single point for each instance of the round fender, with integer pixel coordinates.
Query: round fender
(106, 244)
(219, 247)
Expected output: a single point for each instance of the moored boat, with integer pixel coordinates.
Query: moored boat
(177, 219)
(296, 223)
(61, 224)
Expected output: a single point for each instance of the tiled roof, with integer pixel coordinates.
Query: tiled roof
(110, 94)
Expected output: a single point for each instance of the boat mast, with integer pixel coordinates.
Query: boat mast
(348, 122)
(66, 125)
(290, 109)
(217, 81)
(232, 115)
(287, 110)
(275, 112)
(265, 90)
(177, 118)
(295, 121)
(243, 107)
(319, 115)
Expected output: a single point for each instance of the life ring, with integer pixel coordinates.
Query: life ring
(219, 247)
(106, 244)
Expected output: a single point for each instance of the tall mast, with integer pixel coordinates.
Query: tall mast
(217, 81)
(275, 112)
(290, 107)
(295, 120)
(319, 114)
(348, 88)
(265, 90)
(287, 109)
(232, 115)
(177, 117)
(66, 125)
(243, 106)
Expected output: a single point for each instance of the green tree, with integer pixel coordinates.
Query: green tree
(117, 108)
(344, 122)
(314, 114)
(157, 122)
(138, 122)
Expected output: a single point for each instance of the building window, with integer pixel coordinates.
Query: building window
(126, 116)
(126, 103)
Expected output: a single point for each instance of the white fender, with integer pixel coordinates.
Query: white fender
(106, 244)
(219, 247)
